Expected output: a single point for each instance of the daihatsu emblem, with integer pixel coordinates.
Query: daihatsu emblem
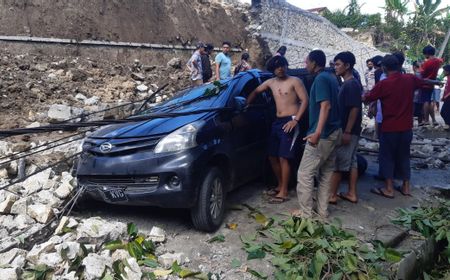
(106, 147)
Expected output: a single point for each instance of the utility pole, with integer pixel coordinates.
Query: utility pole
(444, 44)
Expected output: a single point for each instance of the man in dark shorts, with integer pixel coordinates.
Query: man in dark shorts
(430, 70)
(349, 99)
(291, 101)
(396, 94)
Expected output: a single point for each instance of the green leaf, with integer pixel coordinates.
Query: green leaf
(114, 245)
(149, 262)
(184, 273)
(256, 274)
(257, 253)
(135, 250)
(132, 229)
(392, 255)
(320, 259)
(217, 238)
(176, 268)
(351, 263)
(108, 277)
(235, 263)
(337, 276)
(309, 227)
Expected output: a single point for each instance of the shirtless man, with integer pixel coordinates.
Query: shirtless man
(287, 92)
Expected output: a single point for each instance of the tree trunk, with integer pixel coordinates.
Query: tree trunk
(444, 44)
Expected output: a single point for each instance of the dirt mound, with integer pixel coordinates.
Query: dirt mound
(29, 84)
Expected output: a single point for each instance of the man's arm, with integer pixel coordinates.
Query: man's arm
(261, 88)
(217, 72)
(325, 107)
(303, 96)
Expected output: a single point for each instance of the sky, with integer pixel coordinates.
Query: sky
(368, 6)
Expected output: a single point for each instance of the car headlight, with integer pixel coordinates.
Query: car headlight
(181, 139)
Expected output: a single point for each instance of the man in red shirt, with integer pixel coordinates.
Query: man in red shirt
(429, 70)
(396, 94)
(445, 111)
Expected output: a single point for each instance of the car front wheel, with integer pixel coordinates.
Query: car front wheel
(208, 214)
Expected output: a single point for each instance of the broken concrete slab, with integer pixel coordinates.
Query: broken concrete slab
(168, 259)
(157, 234)
(96, 230)
(41, 213)
(6, 205)
(8, 257)
(95, 265)
(390, 235)
(64, 190)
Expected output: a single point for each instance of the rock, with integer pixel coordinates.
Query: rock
(23, 221)
(157, 234)
(52, 76)
(12, 169)
(80, 96)
(137, 76)
(69, 250)
(62, 223)
(168, 259)
(20, 206)
(46, 197)
(5, 148)
(91, 101)
(9, 257)
(41, 67)
(372, 146)
(7, 221)
(95, 265)
(142, 88)
(59, 112)
(69, 276)
(12, 273)
(5, 206)
(175, 63)
(427, 149)
(64, 190)
(33, 125)
(132, 270)
(41, 213)
(51, 260)
(439, 164)
(37, 250)
(96, 230)
(120, 254)
(4, 173)
(78, 75)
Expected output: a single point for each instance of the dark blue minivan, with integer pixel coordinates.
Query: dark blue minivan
(189, 153)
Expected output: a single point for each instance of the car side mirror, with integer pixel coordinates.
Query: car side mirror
(239, 103)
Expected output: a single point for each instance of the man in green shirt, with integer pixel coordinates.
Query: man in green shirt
(323, 136)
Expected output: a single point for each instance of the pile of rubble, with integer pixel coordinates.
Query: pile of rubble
(78, 250)
(42, 89)
(428, 153)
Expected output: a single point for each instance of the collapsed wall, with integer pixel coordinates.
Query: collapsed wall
(280, 23)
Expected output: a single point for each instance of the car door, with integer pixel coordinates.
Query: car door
(250, 130)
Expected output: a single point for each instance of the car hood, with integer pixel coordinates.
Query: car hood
(145, 128)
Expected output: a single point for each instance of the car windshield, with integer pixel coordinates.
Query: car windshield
(188, 97)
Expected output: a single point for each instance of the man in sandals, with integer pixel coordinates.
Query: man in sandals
(291, 101)
(396, 94)
(349, 100)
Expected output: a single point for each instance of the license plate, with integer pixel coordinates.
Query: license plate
(116, 195)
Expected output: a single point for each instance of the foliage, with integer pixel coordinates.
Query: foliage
(402, 29)
(309, 249)
(218, 87)
(38, 272)
(431, 221)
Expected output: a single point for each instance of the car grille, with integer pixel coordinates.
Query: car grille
(119, 181)
(120, 145)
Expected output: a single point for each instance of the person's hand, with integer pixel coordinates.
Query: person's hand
(289, 126)
(346, 138)
(313, 138)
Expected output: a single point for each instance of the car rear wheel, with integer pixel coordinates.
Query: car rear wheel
(208, 214)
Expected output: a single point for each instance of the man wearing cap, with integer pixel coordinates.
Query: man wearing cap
(195, 65)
